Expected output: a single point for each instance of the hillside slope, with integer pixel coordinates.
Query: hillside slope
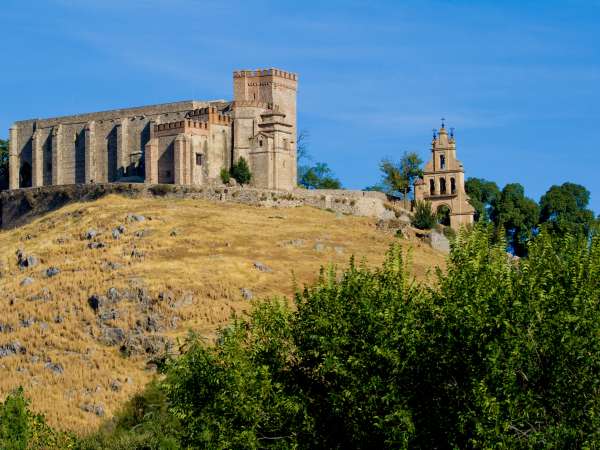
(86, 306)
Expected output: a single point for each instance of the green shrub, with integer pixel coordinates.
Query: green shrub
(423, 218)
(241, 172)
(225, 176)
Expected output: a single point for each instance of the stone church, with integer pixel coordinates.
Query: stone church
(443, 182)
(186, 142)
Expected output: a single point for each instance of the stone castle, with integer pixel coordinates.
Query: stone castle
(443, 182)
(185, 143)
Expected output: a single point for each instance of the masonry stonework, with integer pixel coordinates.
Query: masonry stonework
(443, 182)
(186, 143)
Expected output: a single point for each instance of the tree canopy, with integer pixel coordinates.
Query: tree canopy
(563, 209)
(494, 354)
(399, 177)
(482, 194)
(517, 214)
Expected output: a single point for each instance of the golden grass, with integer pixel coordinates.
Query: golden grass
(211, 256)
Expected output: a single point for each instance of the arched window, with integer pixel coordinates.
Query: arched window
(431, 187)
(442, 162)
(452, 186)
(443, 215)
(442, 185)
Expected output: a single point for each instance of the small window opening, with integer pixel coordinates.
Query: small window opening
(452, 186)
(260, 143)
(442, 162)
(199, 159)
(431, 187)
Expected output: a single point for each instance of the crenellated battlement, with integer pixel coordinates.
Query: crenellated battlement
(265, 73)
(180, 126)
(209, 114)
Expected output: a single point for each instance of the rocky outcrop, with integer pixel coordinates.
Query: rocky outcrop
(20, 206)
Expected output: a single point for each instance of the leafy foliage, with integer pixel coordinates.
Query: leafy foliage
(3, 164)
(563, 209)
(424, 217)
(241, 172)
(319, 176)
(21, 429)
(313, 176)
(517, 215)
(482, 196)
(225, 175)
(398, 177)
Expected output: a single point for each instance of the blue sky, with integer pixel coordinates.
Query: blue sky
(519, 80)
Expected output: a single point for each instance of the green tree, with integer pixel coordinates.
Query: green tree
(399, 177)
(482, 196)
(320, 176)
(563, 209)
(241, 172)
(3, 164)
(424, 218)
(517, 215)
(313, 176)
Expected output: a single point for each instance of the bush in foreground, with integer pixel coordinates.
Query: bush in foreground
(496, 353)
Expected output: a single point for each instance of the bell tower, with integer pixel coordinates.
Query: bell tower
(443, 182)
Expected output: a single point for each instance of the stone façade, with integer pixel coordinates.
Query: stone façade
(443, 182)
(186, 143)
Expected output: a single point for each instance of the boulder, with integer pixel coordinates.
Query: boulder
(135, 218)
(12, 348)
(247, 294)
(27, 281)
(439, 241)
(52, 272)
(91, 234)
(57, 368)
(261, 267)
(112, 336)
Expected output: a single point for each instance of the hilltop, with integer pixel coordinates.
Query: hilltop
(93, 292)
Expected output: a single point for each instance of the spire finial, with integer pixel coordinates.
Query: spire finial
(451, 132)
(443, 120)
(434, 133)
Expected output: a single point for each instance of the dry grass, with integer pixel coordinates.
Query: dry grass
(210, 255)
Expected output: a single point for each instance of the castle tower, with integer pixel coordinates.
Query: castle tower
(264, 130)
(443, 182)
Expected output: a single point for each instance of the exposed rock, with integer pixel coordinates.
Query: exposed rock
(112, 336)
(247, 294)
(95, 409)
(440, 242)
(121, 229)
(113, 295)
(52, 272)
(12, 348)
(261, 267)
(59, 319)
(43, 325)
(27, 281)
(174, 233)
(319, 247)
(26, 261)
(91, 234)
(139, 344)
(43, 296)
(186, 299)
(113, 265)
(115, 385)
(135, 218)
(57, 368)
(116, 234)
(96, 245)
(142, 233)
(339, 250)
(6, 328)
(166, 296)
(112, 314)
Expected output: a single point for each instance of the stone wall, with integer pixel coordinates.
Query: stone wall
(20, 206)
